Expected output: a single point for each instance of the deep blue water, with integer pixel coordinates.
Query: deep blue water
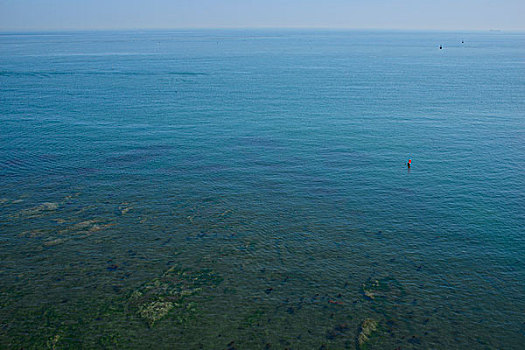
(252, 184)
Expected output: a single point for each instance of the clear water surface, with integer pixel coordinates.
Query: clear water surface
(248, 190)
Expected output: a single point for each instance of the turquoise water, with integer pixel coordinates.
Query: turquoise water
(248, 190)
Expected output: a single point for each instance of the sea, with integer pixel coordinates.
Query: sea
(249, 189)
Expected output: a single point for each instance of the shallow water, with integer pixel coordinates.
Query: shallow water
(248, 190)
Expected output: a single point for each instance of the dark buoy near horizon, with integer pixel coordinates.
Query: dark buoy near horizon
(440, 47)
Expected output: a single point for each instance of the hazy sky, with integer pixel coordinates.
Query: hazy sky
(378, 14)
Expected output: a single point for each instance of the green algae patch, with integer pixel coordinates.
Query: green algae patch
(52, 342)
(367, 330)
(371, 289)
(155, 311)
(169, 294)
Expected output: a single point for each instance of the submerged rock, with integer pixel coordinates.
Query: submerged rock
(71, 196)
(366, 331)
(54, 242)
(86, 227)
(155, 299)
(39, 233)
(370, 289)
(84, 224)
(382, 289)
(47, 207)
(7, 201)
(124, 208)
(39, 210)
(52, 237)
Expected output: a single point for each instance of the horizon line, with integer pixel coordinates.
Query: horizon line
(130, 29)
